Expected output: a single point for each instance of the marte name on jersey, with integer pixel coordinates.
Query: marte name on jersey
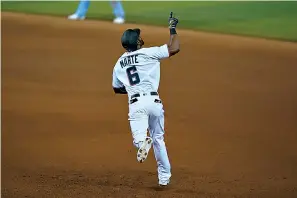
(129, 60)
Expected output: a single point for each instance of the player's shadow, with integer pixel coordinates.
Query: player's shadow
(158, 188)
(172, 189)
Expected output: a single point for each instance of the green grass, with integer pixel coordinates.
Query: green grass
(277, 20)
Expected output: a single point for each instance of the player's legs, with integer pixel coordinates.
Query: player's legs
(81, 10)
(118, 12)
(139, 124)
(156, 129)
(83, 7)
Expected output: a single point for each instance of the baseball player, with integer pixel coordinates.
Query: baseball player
(83, 6)
(137, 74)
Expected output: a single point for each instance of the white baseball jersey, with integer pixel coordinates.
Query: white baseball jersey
(139, 71)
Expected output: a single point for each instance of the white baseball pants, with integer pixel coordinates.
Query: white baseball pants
(148, 114)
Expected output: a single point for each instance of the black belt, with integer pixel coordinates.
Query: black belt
(153, 93)
(134, 97)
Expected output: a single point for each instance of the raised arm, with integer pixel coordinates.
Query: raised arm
(173, 45)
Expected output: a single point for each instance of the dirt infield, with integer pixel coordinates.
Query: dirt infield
(230, 106)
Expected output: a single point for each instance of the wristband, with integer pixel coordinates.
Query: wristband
(172, 31)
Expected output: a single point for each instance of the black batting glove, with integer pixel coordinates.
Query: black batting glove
(172, 21)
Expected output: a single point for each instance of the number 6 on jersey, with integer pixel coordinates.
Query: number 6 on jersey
(133, 75)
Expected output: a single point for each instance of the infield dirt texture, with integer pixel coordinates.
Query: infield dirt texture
(230, 106)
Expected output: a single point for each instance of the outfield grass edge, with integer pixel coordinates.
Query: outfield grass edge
(104, 18)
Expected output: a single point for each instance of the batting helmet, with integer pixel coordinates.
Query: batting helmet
(130, 39)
